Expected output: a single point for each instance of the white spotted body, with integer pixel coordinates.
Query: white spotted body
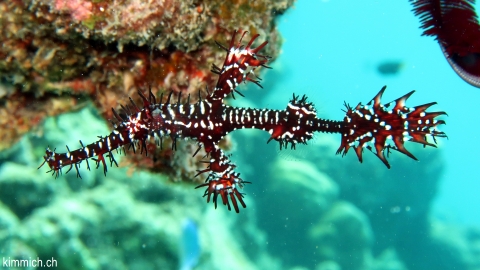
(208, 121)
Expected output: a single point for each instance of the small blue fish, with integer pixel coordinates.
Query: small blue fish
(189, 246)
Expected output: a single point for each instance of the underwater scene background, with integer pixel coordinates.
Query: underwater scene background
(306, 208)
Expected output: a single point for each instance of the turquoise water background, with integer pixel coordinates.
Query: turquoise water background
(331, 51)
(326, 212)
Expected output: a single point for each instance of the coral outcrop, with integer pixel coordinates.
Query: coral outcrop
(129, 221)
(335, 213)
(57, 54)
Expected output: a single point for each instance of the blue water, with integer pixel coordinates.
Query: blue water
(331, 52)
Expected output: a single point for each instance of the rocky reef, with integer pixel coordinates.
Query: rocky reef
(63, 65)
(58, 54)
(127, 220)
